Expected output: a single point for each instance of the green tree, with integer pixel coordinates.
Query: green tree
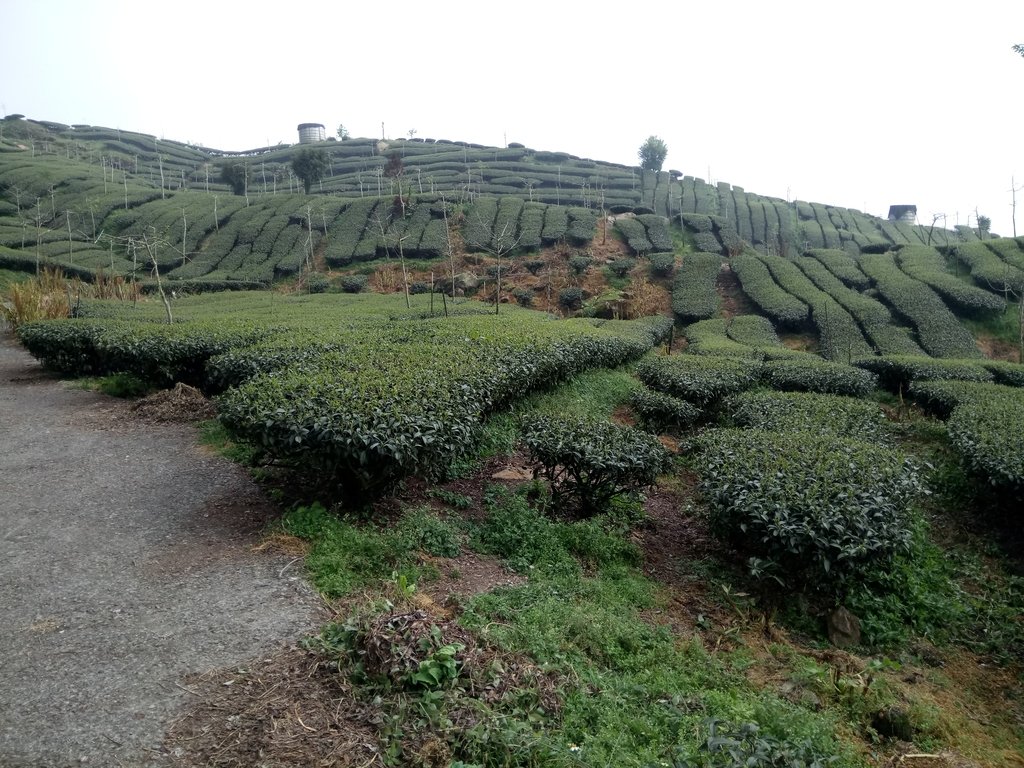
(236, 176)
(652, 154)
(310, 165)
(342, 132)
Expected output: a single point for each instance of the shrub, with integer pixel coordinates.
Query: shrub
(581, 225)
(317, 282)
(662, 264)
(928, 265)
(418, 287)
(758, 283)
(634, 233)
(580, 264)
(621, 267)
(816, 375)
(588, 462)
(523, 297)
(986, 432)
(987, 268)
(657, 232)
(534, 266)
(706, 242)
(940, 397)
(841, 337)
(814, 511)
(556, 221)
(754, 331)
(709, 337)
(693, 291)
(698, 380)
(353, 283)
(776, 411)
(661, 412)
(896, 372)
(696, 222)
(571, 298)
(940, 333)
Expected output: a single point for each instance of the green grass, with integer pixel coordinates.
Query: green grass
(1004, 327)
(631, 693)
(597, 393)
(213, 435)
(9, 277)
(346, 556)
(124, 385)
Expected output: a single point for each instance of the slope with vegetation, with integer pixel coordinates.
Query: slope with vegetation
(832, 454)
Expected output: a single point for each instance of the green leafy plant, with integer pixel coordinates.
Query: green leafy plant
(353, 283)
(571, 298)
(580, 264)
(317, 282)
(814, 511)
(589, 462)
(743, 745)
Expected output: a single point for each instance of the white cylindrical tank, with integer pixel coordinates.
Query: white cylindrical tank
(310, 133)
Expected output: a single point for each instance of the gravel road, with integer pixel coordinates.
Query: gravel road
(126, 563)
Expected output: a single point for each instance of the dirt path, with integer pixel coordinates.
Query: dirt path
(126, 563)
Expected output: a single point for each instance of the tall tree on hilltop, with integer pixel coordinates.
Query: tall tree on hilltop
(652, 154)
(310, 166)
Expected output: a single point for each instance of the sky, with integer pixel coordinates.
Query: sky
(861, 105)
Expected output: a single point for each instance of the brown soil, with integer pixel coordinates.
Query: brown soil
(283, 710)
(997, 349)
(734, 301)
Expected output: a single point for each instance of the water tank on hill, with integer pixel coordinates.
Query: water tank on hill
(906, 213)
(310, 133)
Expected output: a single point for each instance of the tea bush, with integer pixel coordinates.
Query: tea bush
(693, 291)
(317, 282)
(812, 374)
(580, 264)
(657, 232)
(842, 265)
(662, 264)
(753, 331)
(928, 265)
(571, 298)
(634, 233)
(896, 372)
(938, 329)
(621, 267)
(814, 511)
(987, 433)
(697, 379)
(775, 411)
(354, 283)
(710, 337)
(758, 283)
(661, 412)
(588, 462)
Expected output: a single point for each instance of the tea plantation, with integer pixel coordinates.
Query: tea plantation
(810, 414)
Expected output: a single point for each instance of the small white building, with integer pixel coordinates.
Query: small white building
(310, 133)
(907, 213)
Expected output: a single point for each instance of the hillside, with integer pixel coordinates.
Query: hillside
(92, 199)
(777, 526)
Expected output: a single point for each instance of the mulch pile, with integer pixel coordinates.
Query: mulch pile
(181, 405)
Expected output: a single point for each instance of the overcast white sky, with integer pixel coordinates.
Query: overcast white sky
(860, 104)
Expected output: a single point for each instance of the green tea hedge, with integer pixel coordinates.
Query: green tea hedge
(813, 511)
